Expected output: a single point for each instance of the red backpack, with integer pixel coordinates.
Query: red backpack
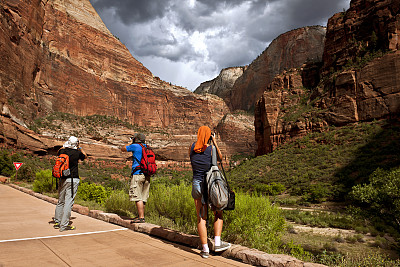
(148, 162)
(61, 167)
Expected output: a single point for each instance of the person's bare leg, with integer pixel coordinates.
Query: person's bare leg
(201, 222)
(140, 208)
(218, 223)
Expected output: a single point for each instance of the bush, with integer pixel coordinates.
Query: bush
(315, 193)
(270, 189)
(6, 163)
(173, 202)
(254, 223)
(91, 191)
(118, 202)
(44, 182)
(381, 196)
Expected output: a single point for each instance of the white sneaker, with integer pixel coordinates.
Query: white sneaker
(222, 247)
(204, 254)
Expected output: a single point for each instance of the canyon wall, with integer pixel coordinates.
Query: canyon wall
(289, 50)
(358, 78)
(58, 56)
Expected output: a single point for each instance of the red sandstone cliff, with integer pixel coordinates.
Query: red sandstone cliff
(289, 50)
(359, 81)
(361, 63)
(57, 55)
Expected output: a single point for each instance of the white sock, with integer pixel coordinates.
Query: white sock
(205, 248)
(217, 241)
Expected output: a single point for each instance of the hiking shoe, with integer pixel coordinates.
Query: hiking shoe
(56, 226)
(138, 220)
(222, 247)
(204, 254)
(69, 227)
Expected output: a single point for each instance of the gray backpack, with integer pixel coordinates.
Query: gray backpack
(217, 186)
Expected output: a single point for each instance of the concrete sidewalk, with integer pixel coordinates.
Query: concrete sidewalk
(26, 238)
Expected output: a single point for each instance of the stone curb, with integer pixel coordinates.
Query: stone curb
(237, 252)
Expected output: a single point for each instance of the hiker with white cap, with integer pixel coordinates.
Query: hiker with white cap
(68, 184)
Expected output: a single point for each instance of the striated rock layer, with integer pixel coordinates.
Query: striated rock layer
(289, 50)
(280, 114)
(360, 78)
(57, 55)
(362, 46)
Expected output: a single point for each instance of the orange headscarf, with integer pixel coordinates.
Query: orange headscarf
(203, 135)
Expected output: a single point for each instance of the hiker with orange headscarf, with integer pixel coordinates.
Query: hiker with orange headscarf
(200, 158)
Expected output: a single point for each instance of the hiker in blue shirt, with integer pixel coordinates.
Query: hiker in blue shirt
(140, 184)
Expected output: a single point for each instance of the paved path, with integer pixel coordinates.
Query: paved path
(27, 239)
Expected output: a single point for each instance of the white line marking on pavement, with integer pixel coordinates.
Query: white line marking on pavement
(45, 237)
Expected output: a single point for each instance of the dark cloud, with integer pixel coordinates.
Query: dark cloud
(134, 11)
(312, 12)
(208, 35)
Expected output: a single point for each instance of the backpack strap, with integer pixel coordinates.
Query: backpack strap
(214, 156)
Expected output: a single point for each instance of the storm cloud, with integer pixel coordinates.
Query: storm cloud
(200, 37)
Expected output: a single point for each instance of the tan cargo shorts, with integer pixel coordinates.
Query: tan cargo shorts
(139, 188)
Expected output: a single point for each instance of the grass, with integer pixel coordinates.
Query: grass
(330, 162)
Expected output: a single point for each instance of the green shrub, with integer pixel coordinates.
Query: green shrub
(254, 223)
(173, 202)
(118, 202)
(296, 251)
(315, 193)
(6, 163)
(270, 189)
(381, 195)
(91, 191)
(44, 182)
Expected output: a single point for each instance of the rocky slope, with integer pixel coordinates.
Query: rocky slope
(58, 56)
(359, 78)
(289, 50)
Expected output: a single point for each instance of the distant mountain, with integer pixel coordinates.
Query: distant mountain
(222, 84)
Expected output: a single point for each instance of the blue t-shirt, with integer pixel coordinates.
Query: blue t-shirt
(136, 150)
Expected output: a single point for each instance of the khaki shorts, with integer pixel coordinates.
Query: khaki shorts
(139, 188)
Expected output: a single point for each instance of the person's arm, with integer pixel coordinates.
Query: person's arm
(123, 148)
(83, 153)
(190, 150)
(219, 154)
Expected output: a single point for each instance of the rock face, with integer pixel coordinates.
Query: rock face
(57, 55)
(359, 77)
(222, 85)
(282, 114)
(366, 25)
(238, 130)
(289, 50)
(363, 78)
